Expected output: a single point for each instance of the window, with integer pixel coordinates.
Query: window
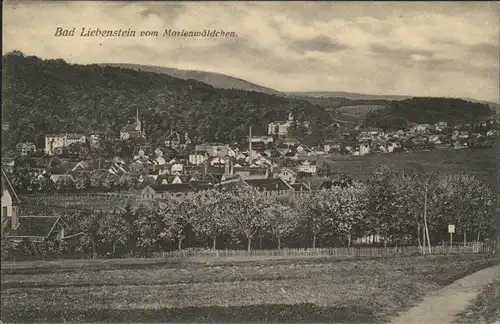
(4, 211)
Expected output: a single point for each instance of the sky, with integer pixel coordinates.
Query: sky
(446, 49)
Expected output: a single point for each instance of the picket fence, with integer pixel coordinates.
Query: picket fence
(337, 252)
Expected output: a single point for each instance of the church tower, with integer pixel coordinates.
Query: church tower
(138, 126)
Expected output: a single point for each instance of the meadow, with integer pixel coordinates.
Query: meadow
(479, 162)
(226, 290)
(358, 110)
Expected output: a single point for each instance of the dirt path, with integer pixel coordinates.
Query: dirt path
(442, 306)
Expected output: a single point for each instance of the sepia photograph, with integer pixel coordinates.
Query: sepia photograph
(250, 162)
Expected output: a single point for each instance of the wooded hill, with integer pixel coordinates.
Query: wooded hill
(52, 96)
(428, 111)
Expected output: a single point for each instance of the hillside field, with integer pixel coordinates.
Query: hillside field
(479, 162)
(218, 290)
(358, 110)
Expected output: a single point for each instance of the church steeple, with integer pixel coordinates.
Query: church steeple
(138, 126)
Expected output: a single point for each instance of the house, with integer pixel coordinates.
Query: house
(251, 173)
(391, 146)
(280, 128)
(26, 148)
(307, 167)
(342, 183)
(419, 128)
(269, 187)
(10, 202)
(218, 161)
(215, 149)
(176, 140)
(262, 139)
(94, 138)
(300, 188)
(163, 191)
(53, 142)
(197, 158)
(364, 149)
(75, 138)
(81, 166)
(288, 175)
(176, 167)
(118, 168)
(39, 228)
(134, 129)
(62, 178)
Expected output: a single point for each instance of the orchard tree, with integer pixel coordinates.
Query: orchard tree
(112, 230)
(349, 208)
(470, 204)
(176, 215)
(152, 228)
(247, 214)
(210, 214)
(315, 212)
(281, 216)
(91, 223)
(381, 204)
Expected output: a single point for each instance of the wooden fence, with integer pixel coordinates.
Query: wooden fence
(337, 252)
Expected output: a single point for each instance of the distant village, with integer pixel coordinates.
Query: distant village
(277, 162)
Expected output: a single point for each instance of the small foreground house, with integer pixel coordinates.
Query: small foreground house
(269, 186)
(10, 203)
(39, 229)
(162, 191)
(300, 188)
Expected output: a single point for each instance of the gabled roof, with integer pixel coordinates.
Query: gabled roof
(268, 184)
(7, 185)
(290, 170)
(299, 186)
(37, 226)
(183, 187)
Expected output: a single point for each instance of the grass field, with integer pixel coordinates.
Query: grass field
(485, 308)
(480, 162)
(359, 111)
(225, 290)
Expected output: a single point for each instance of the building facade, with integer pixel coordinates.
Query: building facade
(55, 141)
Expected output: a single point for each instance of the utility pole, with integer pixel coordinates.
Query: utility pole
(425, 219)
(250, 146)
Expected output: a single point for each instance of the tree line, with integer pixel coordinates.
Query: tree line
(391, 205)
(399, 114)
(52, 96)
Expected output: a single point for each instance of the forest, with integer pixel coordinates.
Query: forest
(52, 96)
(398, 114)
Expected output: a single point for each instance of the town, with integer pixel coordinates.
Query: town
(265, 162)
(276, 159)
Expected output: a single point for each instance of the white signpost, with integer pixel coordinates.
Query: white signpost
(451, 230)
